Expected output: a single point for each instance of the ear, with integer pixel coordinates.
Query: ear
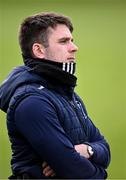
(38, 50)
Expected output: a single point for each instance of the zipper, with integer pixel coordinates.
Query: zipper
(81, 108)
(76, 106)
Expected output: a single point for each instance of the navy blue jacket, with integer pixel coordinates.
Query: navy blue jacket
(45, 124)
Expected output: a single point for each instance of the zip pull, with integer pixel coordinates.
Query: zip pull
(81, 108)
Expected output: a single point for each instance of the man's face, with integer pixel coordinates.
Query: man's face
(61, 47)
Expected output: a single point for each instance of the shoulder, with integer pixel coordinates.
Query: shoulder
(33, 104)
(33, 95)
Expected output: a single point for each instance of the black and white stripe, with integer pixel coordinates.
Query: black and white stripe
(69, 67)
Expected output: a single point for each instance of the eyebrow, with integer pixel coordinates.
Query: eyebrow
(66, 39)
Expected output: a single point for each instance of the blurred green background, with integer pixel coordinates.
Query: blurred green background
(100, 33)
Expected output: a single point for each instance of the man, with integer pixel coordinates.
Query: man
(50, 131)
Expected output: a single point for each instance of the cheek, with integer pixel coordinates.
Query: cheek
(61, 54)
(57, 53)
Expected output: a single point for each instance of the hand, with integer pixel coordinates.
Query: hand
(47, 170)
(82, 149)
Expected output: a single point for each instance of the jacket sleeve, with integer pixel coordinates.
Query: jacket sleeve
(100, 146)
(36, 119)
(97, 141)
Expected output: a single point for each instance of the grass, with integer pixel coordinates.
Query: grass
(100, 36)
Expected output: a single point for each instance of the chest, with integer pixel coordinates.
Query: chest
(73, 118)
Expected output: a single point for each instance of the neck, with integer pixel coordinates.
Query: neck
(67, 67)
(56, 74)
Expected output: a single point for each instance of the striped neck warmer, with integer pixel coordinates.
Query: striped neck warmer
(55, 72)
(67, 67)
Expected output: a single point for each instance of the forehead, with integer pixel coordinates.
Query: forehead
(60, 31)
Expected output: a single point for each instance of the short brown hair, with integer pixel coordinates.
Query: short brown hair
(35, 29)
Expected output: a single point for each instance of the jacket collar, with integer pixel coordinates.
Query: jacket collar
(52, 72)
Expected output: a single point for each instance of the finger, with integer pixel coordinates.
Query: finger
(44, 164)
(46, 169)
(50, 173)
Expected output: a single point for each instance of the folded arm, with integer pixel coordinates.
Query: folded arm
(37, 121)
(100, 147)
(96, 140)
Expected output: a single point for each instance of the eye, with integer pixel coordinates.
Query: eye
(63, 41)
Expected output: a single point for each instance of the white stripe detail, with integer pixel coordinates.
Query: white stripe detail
(68, 67)
(71, 71)
(64, 64)
(41, 87)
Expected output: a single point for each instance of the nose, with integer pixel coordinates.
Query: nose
(73, 48)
